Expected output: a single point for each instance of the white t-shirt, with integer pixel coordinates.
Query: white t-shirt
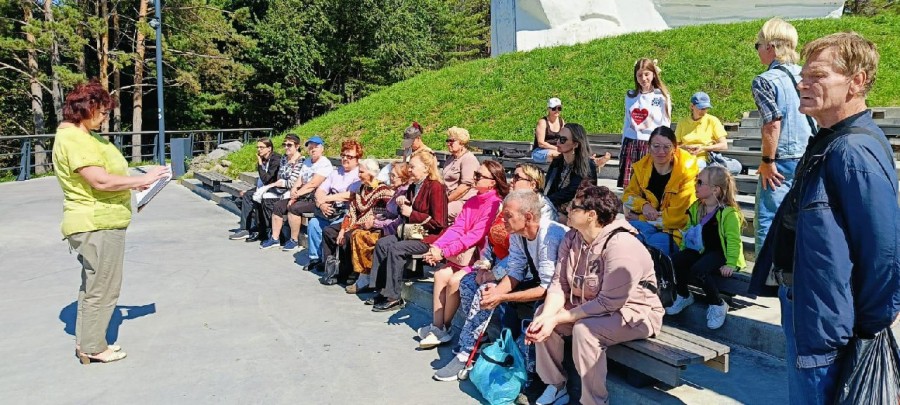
(532, 247)
(322, 167)
(644, 113)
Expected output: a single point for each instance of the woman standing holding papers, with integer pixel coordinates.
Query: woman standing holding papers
(96, 187)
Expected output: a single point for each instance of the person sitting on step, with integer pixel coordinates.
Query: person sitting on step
(660, 191)
(711, 245)
(457, 245)
(603, 293)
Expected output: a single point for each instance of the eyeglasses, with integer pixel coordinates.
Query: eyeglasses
(516, 178)
(556, 109)
(347, 156)
(757, 45)
(262, 147)
(657, 147)
(450, 140)
(289, 145)
(479, 176)
(563, 140)
(577, 207)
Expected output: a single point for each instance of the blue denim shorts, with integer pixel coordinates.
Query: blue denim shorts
(539, 155)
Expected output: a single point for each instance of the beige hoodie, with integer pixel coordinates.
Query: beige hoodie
(611, 277)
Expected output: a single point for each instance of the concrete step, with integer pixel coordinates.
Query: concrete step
(249, 177)
(221, 199)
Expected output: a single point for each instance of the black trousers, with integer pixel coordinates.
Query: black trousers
(253, 218)
(702, 270)
(388, 262)
(268, 209)
(330, 247)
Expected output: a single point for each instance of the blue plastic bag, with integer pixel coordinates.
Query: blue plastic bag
(499, 373)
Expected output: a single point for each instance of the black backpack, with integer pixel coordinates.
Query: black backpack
(665, 272)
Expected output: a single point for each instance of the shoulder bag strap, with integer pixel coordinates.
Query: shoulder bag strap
(809, 120)
(531, 267)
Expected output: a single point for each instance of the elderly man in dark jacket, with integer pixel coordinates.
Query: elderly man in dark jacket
(834, 248)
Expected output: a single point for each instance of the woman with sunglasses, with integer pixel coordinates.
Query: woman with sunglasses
(661, 190)
(530, 177)
(603, 293)
(572, 166)
(467, 233)
(459, 171)
(362, 241)
(96, 188)
(546, 133)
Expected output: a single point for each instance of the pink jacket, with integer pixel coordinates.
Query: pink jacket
(611, 277)
(471, 225)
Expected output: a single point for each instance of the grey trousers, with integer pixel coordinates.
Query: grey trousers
(102, 256)
(389, 261)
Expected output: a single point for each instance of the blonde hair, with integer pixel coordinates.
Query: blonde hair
(720, 177)
(782, 36)
(430, 161)
(535, 174)
(852, 54)
(460, 134)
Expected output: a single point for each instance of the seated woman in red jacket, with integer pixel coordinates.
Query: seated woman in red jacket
(425, 203)
(467, 233)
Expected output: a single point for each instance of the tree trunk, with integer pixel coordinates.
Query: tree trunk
(117, 76)
(54, 62)
(137, 97)
(80, 62)
(37, 94)
(103, 51)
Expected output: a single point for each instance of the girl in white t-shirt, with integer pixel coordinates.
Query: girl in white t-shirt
(647, 107)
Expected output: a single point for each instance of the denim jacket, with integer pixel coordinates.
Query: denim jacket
(846, 276)
(795, 129)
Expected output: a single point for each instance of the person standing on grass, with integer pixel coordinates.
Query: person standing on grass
(834, 244)
(785, 131)
(647, 106)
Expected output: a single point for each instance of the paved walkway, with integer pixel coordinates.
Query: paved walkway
(203, 319)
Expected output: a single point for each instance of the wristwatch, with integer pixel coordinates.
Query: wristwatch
(766, 159)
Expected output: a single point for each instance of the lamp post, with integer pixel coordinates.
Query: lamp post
(156, 23)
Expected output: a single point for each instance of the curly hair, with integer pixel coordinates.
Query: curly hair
(354, 146)
(84, 100)
(601, 200)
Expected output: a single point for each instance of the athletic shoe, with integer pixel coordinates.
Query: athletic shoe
(435, 338)
(268, 244)
(715, 315)
(425, 330)
(450, 372)
(552, 395)
(680, 304)
(290, 245)
(242, 234)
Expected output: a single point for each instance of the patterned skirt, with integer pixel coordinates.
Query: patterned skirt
(632, 151)
(362, 248)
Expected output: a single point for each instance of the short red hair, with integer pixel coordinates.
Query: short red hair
(84, 99)
(354, 146)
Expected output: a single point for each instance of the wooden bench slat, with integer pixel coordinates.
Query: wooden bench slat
(698, 340)
(677, 342)
(650, 366)
(664, 351)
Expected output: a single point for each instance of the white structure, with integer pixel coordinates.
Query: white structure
(522, 25)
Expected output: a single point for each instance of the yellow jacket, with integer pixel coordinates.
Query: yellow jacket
(678, 195)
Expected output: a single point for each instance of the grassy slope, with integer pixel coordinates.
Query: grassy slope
(502, 98)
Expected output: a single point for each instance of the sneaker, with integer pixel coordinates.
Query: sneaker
(290, 245)
(715, 315)
(553, 395)
(425, 330)
(680, 304)
(435, 338)
(268, 244)
(242, 234)
(450, 372)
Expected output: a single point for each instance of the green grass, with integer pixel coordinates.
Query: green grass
(502, 98)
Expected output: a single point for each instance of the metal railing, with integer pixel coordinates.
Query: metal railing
(33, 152)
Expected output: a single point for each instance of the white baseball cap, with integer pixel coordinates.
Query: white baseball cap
(553, 102)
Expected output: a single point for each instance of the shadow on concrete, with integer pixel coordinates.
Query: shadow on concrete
(69, 314)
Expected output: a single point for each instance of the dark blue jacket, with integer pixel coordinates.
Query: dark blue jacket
(847, 248)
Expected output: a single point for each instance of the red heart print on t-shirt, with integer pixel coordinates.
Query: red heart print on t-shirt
(639, 115)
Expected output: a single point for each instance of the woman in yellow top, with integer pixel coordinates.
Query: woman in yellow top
(660, 191)
(702, 132)
(96, 187)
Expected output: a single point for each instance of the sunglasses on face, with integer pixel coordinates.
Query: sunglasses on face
(479, 176)
(563, 140)
(577, 207)
(347, 156)
(556, 109)
(450, 140)
(516, 178)
(757, 46)
(289, 145)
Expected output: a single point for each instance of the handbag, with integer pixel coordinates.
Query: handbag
(499, 373)
(870, 372)
(693, 237)
(732, 165)
(407, 231)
